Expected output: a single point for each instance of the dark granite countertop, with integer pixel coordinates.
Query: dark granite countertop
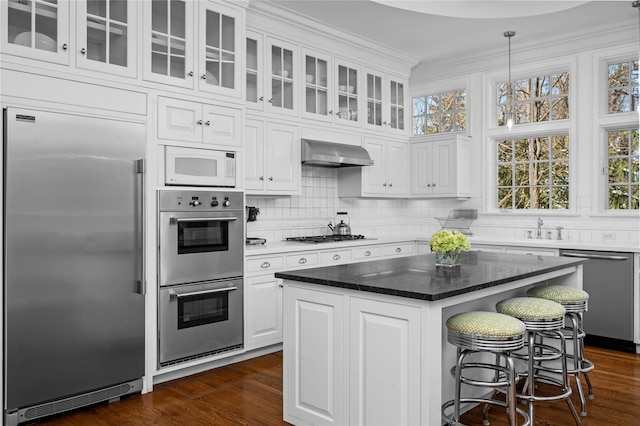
(417, 277)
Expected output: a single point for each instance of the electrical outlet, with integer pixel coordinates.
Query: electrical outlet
(608, 236)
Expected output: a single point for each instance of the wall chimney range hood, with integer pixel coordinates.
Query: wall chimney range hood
(328, 154)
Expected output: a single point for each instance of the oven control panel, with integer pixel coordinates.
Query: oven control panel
(199, 200)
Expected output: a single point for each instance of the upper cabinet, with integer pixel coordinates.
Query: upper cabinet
(386, 97)
(106, 36)
(37, 29)
(254, 71)
(440, 166)
(221, 48)
(168, 42)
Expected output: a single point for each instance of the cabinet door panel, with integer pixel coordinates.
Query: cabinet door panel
(397, 170)
(181, 120)
(282, 157)
(422, 180)
(254, 71)
(264, 311)
(222, 126)
(375, 177)
(254, 173)
(444, 175)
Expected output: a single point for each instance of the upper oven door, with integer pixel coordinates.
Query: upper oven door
(200, 246)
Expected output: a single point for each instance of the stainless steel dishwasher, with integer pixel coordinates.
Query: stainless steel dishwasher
(608, 278)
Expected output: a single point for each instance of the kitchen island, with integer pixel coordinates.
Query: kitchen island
(365, 343)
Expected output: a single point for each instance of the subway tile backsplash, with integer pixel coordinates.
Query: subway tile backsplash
(310, 212)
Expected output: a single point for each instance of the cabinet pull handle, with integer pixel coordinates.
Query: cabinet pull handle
(199, 122)
(64, 46)
(83, 51)
(271, 178)
(208, 123)
(265, 265)
(336, 257)
(367, 253)
(302, 260)
(261, 178)
(398, 250)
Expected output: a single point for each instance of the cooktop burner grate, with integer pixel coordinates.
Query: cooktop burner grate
(326, 238)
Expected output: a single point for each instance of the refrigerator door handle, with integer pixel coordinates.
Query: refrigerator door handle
(140, 170)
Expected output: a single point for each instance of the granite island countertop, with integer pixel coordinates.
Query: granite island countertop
(417, 277)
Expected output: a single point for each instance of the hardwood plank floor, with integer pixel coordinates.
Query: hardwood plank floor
(250, 393)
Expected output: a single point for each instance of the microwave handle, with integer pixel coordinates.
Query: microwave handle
(201, 219)
(173, 294)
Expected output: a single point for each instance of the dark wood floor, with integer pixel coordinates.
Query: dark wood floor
(250, 393)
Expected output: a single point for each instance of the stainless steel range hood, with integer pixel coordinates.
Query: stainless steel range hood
(328, 154)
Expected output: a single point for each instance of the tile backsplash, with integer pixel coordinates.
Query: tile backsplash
(316, 206)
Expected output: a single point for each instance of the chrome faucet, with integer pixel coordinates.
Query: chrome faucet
(539, 231)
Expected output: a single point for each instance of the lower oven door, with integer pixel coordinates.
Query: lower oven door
(199, 319)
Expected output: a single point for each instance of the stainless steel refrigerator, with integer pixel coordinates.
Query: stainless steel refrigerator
(73, 255)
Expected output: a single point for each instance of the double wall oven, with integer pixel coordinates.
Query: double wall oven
(200, 268)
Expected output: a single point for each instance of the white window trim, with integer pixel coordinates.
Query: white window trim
(604, 122)
(442, 86)
(493, 132)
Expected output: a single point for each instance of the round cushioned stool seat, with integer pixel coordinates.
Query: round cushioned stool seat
(528, 308)
(573, 299)
(486, 324)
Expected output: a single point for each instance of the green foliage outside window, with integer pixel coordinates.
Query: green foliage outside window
(536, 99)
(533, 173)
(440, 113)
(622, 87)
(623, 155)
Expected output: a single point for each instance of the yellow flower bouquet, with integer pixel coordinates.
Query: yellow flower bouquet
(447, 245)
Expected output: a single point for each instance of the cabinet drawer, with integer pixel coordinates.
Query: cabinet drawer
(262, 264)
(401, 249)
(303, 259)
(536, 251)
(364, 253)
(424, 248)
(333, 257)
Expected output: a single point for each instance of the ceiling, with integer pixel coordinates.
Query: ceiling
(447, 31)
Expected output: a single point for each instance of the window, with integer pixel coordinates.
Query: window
(533, 173)
(536, 99)
(623, 87)
(623, 157)
(440, 113)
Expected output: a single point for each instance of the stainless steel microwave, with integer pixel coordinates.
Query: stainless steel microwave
(199, 167)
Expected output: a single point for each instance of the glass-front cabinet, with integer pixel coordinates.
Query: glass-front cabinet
(317, 99)
(254, 71)
(347, 93)
(283, 72)
(396, 104)
(220, 49)
(37, 29)
(168, 42)
(385, 101)
(106, 31)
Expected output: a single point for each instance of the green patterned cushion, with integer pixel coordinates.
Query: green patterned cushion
(559, 293)
(490, 324)
(530, 308)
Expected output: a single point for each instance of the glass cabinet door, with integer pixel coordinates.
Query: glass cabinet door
(396, 104)
(168, 42)
(316, 94)
(106, 37)
(282, 72)
(220, 49)
(348, 89)
(374, 99)
(254, 71)
(36, 28)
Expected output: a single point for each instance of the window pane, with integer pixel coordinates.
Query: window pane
(622, 81)
(505, 151)
(505, 198)
(505, 175)
(440, 112)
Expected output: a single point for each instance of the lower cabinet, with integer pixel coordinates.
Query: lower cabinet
(382, 354)
(263, 319)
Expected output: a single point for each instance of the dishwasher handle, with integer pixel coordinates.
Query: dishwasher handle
(593, 256)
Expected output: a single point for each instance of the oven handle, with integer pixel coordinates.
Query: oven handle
(593, 256)
(174, 295)
(201, 219)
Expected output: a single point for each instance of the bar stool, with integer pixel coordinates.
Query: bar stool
(541, 317)
(492, 333)
(576, 303)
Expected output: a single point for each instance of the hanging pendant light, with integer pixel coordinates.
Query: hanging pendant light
(510, 113)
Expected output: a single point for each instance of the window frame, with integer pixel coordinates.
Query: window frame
(440, 112)
(444, 86)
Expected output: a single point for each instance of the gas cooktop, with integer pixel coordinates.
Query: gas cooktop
(326, 238)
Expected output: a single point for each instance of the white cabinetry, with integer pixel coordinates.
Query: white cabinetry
(168, 42)
(531, 251)
(388, 177)
(263, 319)
(186, 121)
(36, 29)
(440, 167)
(386, 97)
(107, 36)
(272, 158)
(282, 77)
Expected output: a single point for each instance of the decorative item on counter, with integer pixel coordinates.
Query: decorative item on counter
(447, 245)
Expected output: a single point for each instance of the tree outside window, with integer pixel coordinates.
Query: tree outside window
(440, 113)
(623, 87)
(623, 155)
(533, 173)
(536, 99)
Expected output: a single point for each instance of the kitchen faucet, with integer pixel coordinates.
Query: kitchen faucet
(539, 231)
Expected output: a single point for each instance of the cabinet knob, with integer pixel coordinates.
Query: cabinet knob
(331, 112)
(433, 184)
(367, 253)
(203, 76)
(281, 285)
(261, 178)
(190, 74)
(271, 178)
(336, 257)
(384, 184)
(390, 185)
(83, 51)
(265, 265)
(261, 98)
(398, 250)
(64, 46)
(428, 185)
(302, 260)
(207, 123)
(199, 122)
(270, 101)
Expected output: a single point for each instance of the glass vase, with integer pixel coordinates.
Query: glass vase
(448, 259)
